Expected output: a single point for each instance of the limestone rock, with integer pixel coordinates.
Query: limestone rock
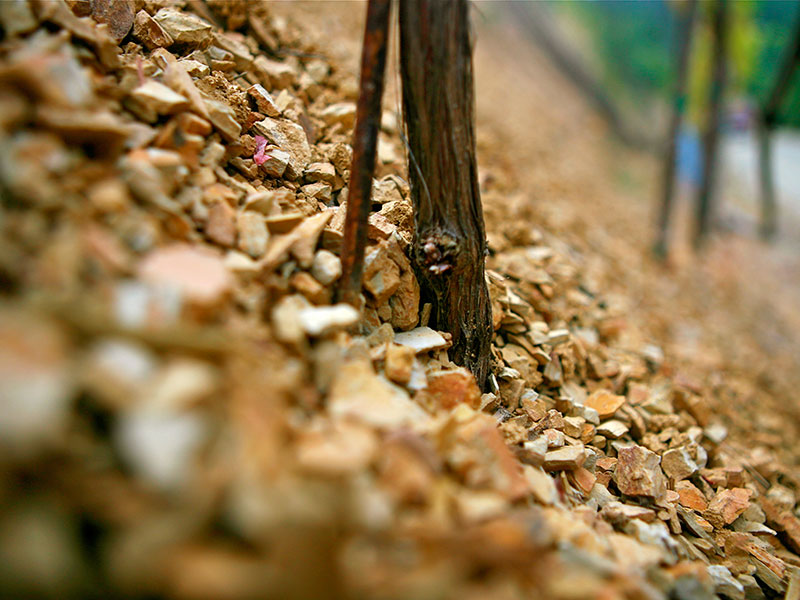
(289, 137)
(422, 339)
(399, 363)
(183, 27)
(449, 389)
(197, 273)
(678, 464)
(327, 267)
(262, 100)
(727, 505)
(253, 234)
(638, 473)
(605, 403)
(321, 320)
(565, 459)
(358, 393)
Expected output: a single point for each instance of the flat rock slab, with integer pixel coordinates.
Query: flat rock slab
(357, 392)
(605, 403)
(564, 459)
(422, 339)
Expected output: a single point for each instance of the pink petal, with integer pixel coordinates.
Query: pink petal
(261, 145)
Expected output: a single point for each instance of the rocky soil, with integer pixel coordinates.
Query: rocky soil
(187, 415)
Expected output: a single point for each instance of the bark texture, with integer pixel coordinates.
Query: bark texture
(719, 29)
(685, 27)
(450, 243)
(365, 144)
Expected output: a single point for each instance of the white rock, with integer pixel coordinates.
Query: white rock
(421, 339)
(320, 320)
(160, 446)
(327, 267)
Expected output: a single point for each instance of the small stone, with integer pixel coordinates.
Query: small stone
(344, 113)
(276, 165)
(357, 392)
(542, 486)
(253, 234)
(183, 27)
(573, 426)
(152, 99)
(449, 389)
(281, 75)
(308, 233)
(565, 459)
(422, 339)
(726, 506)
(678, 464)
(149, 32)
(618, 513)
(221, 224)
(17, 18)
(725, 584)
(612, 429)
(605, 403)
(284, 223)
(160, 445)
(318, 191)
(327, 267)
(310, 288)
(638, 473)
(783, 521)
(320, 172)
(690, 496)
(263, 101)
(198, 273)
(289, 137)
(341, 448)
(321, 320)
(224, 119)
(399, 363)
(117, 16)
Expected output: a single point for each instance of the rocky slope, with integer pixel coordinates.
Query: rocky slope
(187, 415)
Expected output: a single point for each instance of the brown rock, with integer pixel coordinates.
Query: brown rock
(726, 506)
(783, 521)
(605, 403)
(381, 274)
(565, 459)
(224, 119)
(183, 27)
(262, 100)
(320, 172)
(197, 272)
(678, 464)
(618, 513)
(117, 15)
(358, 393)
(148, 31)
(152, 99)
(253, 234)
(638, 473)
(221, 224)
(303, 283)
(449, 389)
(289, 137)
(690, 497)
(344, 113)
(399, 362)
(307, 236)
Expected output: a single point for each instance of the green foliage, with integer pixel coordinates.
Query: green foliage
(634, 43)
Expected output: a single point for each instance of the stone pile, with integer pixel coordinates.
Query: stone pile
(188, 413)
